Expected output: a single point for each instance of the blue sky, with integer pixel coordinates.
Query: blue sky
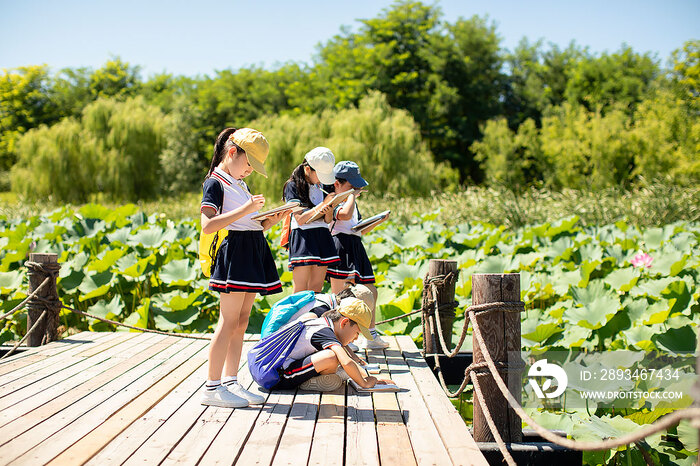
(199, 37)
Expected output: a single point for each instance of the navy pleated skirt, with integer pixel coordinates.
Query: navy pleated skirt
(354, 263)
(244, 263)
(313, 246)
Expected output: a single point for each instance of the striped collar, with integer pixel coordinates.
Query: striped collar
(222, 176)
(228, 180)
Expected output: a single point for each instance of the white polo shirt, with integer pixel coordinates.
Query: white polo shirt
(224, 193)
(316, 197)
(345, 226)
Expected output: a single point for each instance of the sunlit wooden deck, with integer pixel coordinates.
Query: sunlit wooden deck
(132, 398)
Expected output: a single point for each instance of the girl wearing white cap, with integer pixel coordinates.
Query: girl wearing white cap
(311, 248)
(243, 265)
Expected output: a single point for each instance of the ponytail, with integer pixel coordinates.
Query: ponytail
(219, 149)
(298, 176)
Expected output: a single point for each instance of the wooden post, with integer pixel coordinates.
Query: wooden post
(445, 295)
(48, 328)
(501, 333)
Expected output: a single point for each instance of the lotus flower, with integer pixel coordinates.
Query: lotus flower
(642, 260)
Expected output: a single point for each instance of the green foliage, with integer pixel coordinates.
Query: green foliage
(666, 139)
(446, 75)
(115, 79)
(24, 104)
(586, 149)
(578, 282)
(510, 159)
(620, 78)
(686, 69)
(384, 142)
(113, 149)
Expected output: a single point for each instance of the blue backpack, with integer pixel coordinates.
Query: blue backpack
(267, 356)
(283, 310)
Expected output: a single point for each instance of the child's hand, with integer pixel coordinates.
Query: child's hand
(254, 204)
(385, 382)
(275, 218)
(370, 382)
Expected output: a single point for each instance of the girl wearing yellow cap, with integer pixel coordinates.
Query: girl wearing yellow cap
(243, 265)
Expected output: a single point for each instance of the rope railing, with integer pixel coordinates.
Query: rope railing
(430, 310)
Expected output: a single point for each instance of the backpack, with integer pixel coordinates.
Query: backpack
(283, 310)
(267, 355)
(208, 247)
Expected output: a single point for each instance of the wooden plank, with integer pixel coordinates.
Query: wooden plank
(228, 443)
(392, 435)
(29, 419)
(261, 445)
(193, 445)
(425, 440)
(329, 437)
(295, 444)
(453, 431)
(24, 351)
(158, 445)
(146, 374)
(11, 370)
(361, 436)
(33, 396)
(61, 412)
(69, 365)
(123, 445)
(93, 442)
(121, 337)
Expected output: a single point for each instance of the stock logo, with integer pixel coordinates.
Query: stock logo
(551, 372)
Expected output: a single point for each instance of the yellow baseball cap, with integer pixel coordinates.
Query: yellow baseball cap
(357, 311)
(255, 146)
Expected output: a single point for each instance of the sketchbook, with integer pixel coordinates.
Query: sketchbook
(364, 224)
(334, 201)
(380, 387)
(291, 205)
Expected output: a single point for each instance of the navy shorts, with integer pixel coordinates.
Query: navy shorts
(354, 264)
(244, 263)
(313, 246)
(298, 372)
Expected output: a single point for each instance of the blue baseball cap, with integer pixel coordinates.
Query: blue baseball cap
(351, 172)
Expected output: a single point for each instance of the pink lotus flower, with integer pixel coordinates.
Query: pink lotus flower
(642, 260)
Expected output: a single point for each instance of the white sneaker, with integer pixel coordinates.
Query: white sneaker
(377, 343)
(322, 383)
(353, 347)
(222, 398)
(238, 390)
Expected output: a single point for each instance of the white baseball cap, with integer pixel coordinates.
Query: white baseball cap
(322, 160)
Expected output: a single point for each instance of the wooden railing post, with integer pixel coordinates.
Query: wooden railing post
(439, 270)
(48, 328)
(501, 333)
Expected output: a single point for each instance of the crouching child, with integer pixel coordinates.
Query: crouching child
(312, 360)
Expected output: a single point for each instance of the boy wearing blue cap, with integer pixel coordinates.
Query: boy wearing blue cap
(354, 265)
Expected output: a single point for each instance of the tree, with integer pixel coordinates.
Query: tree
(25, 103)
(447, 76)
(621, 78)
(537, 79)
(686, 70)
(115, 79)
(112, 150)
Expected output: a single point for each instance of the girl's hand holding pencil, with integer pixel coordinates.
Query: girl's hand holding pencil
(254, 204)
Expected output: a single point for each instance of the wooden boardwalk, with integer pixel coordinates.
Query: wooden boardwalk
(133, 398)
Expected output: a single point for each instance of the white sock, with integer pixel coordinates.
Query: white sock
(229, 380)
(213, 384)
